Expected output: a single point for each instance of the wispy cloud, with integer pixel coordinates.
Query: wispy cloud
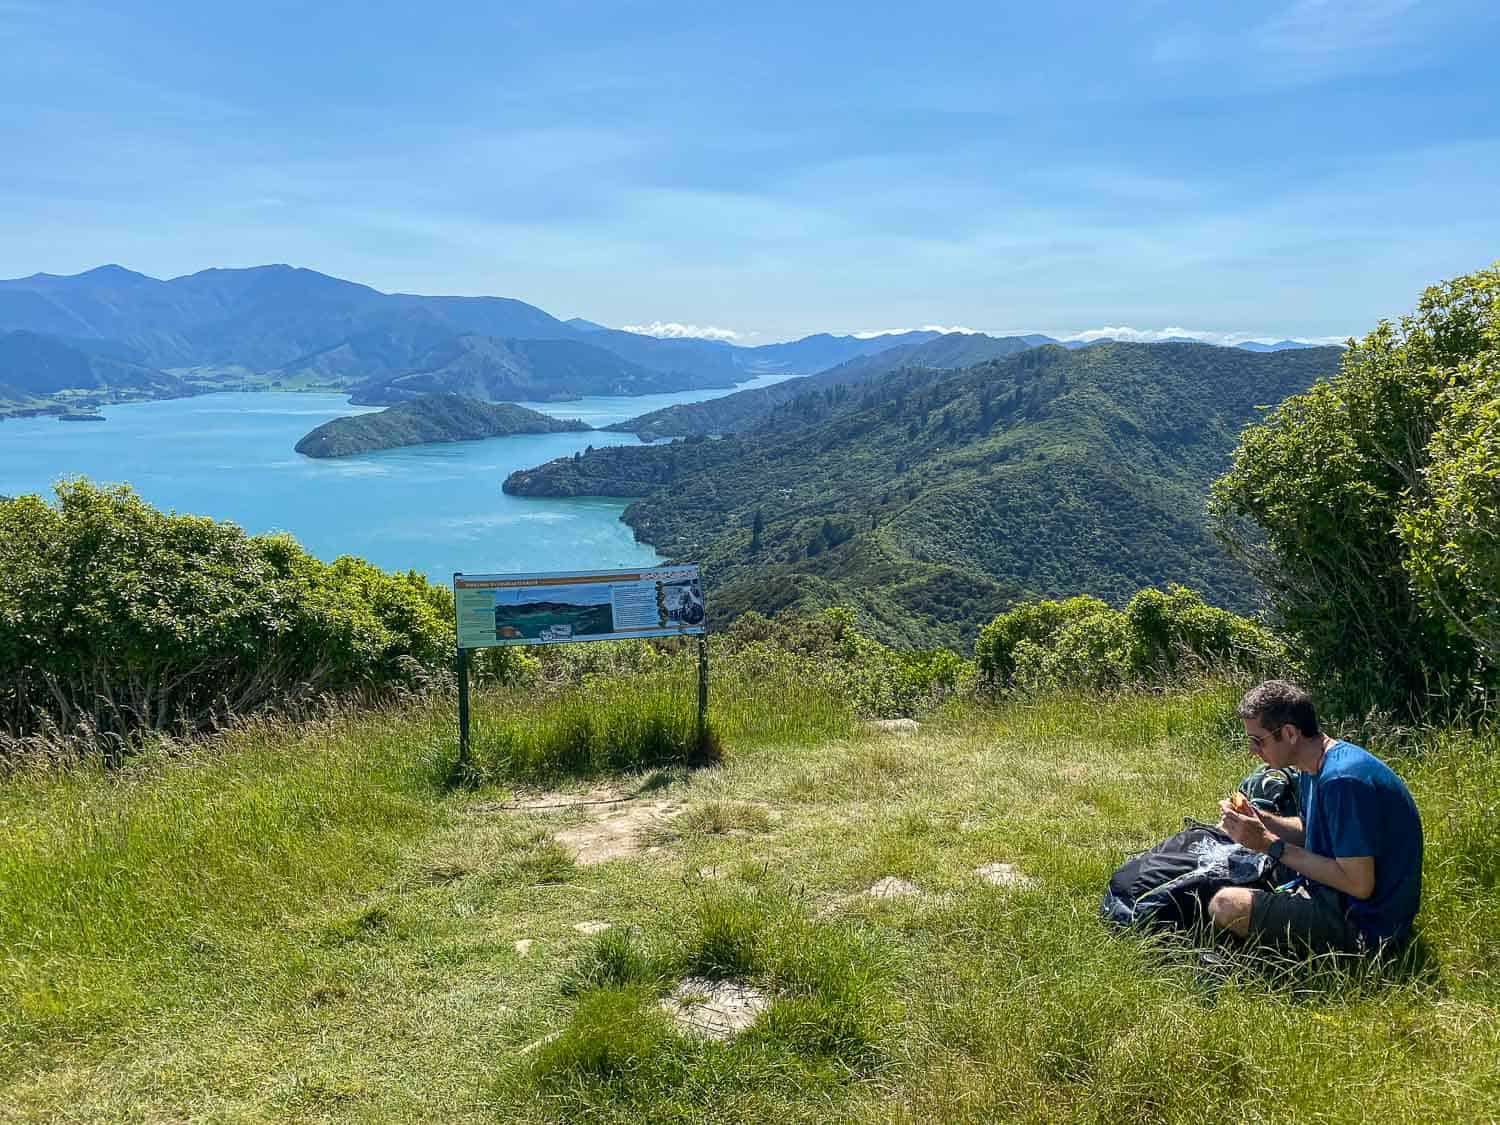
(1130, 335)
(671, 330)
(1335, 26)
(871, 333)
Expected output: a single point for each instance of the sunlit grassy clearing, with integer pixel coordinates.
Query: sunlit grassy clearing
(387, 985)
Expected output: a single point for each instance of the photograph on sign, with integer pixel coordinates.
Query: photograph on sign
(594, 606)
(554, 612)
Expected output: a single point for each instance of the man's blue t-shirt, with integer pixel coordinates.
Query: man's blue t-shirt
(1356, 805)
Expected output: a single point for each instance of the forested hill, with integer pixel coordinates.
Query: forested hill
(744, 410)
(34, 367)
(932, 499)
(496, 370)
(430, 418)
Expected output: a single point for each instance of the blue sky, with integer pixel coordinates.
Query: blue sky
(1271, 169)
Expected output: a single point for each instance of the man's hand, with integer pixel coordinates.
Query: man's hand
(1246, 827)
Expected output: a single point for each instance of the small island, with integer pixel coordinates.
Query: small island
(430, 418)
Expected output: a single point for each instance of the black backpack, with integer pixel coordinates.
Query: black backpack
(1170, 885)
(1272, 789)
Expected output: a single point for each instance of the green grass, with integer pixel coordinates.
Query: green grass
(609, 725)
(304, 924)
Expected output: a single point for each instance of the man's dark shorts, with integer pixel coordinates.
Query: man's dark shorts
(1312, 917)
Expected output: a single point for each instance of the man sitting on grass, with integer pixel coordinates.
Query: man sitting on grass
(1356, 851)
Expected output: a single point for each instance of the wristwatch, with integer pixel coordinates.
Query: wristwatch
(1277, 847)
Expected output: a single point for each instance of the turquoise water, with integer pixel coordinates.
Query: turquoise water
(432, 508)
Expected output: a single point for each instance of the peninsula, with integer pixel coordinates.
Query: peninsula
(429, 418)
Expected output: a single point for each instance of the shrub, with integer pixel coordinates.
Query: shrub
(1090, 652)
(1366, 508)
(829, 649)
(1032, 622)
(121, 617)
(1175, 632)
(1160, 638)
(1452, 542)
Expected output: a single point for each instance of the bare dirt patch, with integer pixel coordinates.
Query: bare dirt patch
(714, 1009)
(892, 887)
(1004, 875)
(902, 728)
(618, 831)
(615, 824)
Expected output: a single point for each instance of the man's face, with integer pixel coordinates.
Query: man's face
(1268, 745)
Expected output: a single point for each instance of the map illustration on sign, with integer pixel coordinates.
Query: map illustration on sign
(520, 609)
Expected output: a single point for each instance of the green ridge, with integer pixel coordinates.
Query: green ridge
(932, 499)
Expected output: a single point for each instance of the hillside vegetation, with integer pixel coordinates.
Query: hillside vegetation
(429, 418)
(744, 410)
(38, 372)
(932, 499)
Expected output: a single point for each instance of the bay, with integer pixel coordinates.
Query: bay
(431, 508)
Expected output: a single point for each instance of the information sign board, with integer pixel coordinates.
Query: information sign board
(592, 605)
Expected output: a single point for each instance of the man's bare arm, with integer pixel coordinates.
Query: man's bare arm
(1354, 875)
(1289, 828)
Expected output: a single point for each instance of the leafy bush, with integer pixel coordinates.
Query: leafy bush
(1035, 622)
(121, 617)
(1174, 632)
(1453, 541)
(830, 650)
(1366, 507)
(1090, 651)
(1160, 638)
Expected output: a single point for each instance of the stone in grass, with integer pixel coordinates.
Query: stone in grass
(714, 1009)
(523, 947)
(1003, 875)
(592, 927)
(900, 727)
(536, 1044)
(892, 887)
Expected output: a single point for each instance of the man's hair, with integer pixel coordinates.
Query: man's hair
(1275, 703)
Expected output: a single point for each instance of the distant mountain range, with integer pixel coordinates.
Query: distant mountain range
(111, 333)
(1278, 346)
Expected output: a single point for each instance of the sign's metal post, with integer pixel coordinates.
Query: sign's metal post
(462, 670)
(702, 693)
